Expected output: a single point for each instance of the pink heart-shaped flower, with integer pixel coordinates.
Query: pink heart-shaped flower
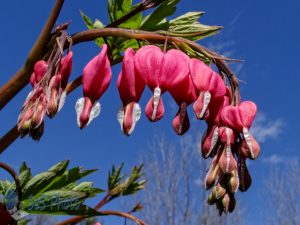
(239, 117)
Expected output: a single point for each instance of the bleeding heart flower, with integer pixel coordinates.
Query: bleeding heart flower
(213, 171)
(160, 70)
(131, 86)
(96, 77)
(184, 94)
(39, 71)
(233, 181)
(209, 85)
(239, 117)
(53, 95)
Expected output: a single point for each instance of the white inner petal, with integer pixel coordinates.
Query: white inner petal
(156, 97)
(136, 115)
(238, 180)
(206, 100)
(228, 152)
(94, 112)
(79, 107)
(214, 140)
(62, 100)
(120, 116)
(247, 137)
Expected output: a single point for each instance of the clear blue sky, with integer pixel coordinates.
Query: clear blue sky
(264, 33)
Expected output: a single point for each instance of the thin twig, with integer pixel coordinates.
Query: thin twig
(16, 179)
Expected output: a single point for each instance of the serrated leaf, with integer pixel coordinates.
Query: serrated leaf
(23, 167)
(90, 25)
(114, 177)
(159, 15)
(189, 27)
(87, 187)
(70, 176)
(119, 8)
(62, 202)
(24, 177)
(40, 181)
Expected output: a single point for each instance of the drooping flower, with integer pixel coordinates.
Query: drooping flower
(5, 217)
(131, 86)
(210, 138)
(240, 118)
(96, 77)
(183, 92)
(209, 86)
(160, 70)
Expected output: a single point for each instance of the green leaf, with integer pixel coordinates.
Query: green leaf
(90, 25)
(70, 176)
(87, 187)
(114, 177)
(119, 8)
(23, 167)
(157, 19)
(188, 26)
(40, 181)
(4, 185)
(131, 185)
(60, 202)
(24, 177)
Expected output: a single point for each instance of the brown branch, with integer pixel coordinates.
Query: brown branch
(21, 78)
(90, 35)
(78, 219)
(16, 179)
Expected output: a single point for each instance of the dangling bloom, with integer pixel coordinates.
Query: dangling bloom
(56, 93)
(210, 138)
(131, 87)
(240, 118)
(209, 85)
(5, 216)
(183, 92)
(160, 70)
(96, 77)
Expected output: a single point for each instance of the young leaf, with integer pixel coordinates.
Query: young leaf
(119, 8)
(189, 27)
(87, 187)
(60, 202)
(90, 25)
(70, 176)
(40, 181)
(154, 20)
(23, 167)
(24, 177)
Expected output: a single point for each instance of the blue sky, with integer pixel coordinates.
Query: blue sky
(263, 33)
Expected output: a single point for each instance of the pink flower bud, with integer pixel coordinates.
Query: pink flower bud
(39, 71)
(209, 141)
(249, 148)
(65, 69)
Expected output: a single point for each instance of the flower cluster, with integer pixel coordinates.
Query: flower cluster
(49, 81)
(227, 139)
(188, 80)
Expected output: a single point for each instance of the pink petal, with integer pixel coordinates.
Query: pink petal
(205, 79)
(181, 122)
(209, 141)
(96, 76)
(154, 115)
(227, 162)
(130, 83)
(238, 117)
(66, 69)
